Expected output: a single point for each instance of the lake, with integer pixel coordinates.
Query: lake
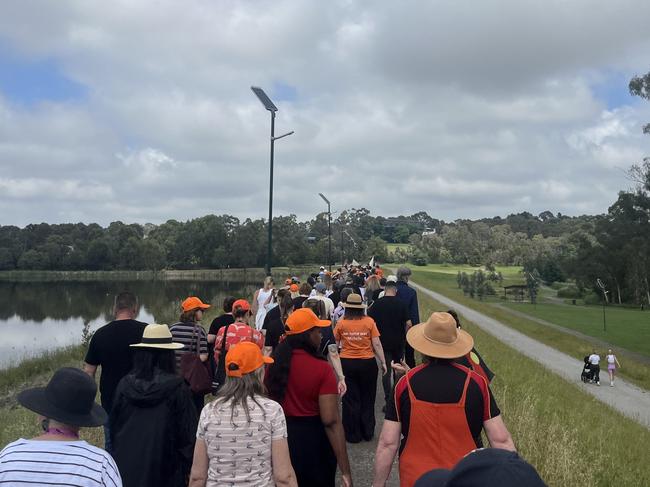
(42, 316)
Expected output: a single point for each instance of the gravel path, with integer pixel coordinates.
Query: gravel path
(624, 397)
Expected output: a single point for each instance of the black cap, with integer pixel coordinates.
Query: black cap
(487, 467)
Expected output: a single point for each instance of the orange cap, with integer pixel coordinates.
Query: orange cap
(294, 288)
(192, 303)
(244, 358)
(303, 319)
(241, 303)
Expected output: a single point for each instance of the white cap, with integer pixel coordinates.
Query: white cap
(391, 278)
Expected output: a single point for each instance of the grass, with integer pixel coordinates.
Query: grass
(570, 437)
(392, 247)
(634, 370)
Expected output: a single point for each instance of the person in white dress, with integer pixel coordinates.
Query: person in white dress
(262, 297)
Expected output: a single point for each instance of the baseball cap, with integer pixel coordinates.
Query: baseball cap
(303, 319)
(241, 303)
(294, 288)
(320, 287)
(192, 303)
(487, 467)
(391, 278)
(244, 358)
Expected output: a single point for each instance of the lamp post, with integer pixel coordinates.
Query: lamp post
(604, 290)
(268, 104)
(329, 231)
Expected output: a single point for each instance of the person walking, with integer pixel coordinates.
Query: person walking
(57, 456)
(242, 434)
(304, 384)
(409, 297)
(109, 348)
(153, 418)
(612, 363)
(239, 331)
(358, 339)
(393, 321)
(439, 408)
(189, 333)
(594, 364)
(473, 359)
(261, 298)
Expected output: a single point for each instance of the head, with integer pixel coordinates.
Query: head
(268, 283)
(390, 289)
(382, 282)
(125, 305)
(147, 360)
(191, 316)
(305, 289)
(192, 310)
(320, 288)
(294, 289)
(609, 351)
(227, 304)
(403, 274)
(440, 338)
(345, 292)
(317, 306)
(286, 306)
(354, 307)
(372, 284)
(241, 310)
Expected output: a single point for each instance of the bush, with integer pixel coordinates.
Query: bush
(569, 292)
(593, 298)
(558, 285)
(419, 258)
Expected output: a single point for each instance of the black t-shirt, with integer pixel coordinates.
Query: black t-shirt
(376, 293)
(109, 348)
(391, 316)
(440, 383)
(327, 339)
(335, 297)
(274, 331)
(297, 301)
(272, 314)
(219, 322)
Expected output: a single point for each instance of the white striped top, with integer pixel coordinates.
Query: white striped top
(57, 463)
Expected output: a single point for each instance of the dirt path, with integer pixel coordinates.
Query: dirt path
(626, 398)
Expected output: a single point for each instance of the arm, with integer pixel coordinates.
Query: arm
(91, 370)
(379, 353)
(386, 450)
(497, 434)
(203, 346)
(211, 338)
(199, 474)
(335, 361)
(409, 324)
(283, 473)
(254, 305)
(329, 415)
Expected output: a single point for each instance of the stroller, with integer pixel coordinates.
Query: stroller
(587, 374)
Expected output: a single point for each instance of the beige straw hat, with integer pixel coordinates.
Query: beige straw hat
(158, 336)
(440, 338)
(354, 301)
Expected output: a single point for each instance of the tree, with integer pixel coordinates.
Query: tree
(640, 86)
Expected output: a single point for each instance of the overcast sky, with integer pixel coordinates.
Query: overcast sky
(141, 111)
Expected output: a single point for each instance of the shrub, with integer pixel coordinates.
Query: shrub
(593, 298)
(569, 292)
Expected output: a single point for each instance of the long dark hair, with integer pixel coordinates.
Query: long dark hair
(278, 372)
(147, 360)
(286, 305)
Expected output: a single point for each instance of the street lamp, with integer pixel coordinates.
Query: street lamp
(604, 290)
(329, 231)
(268, 104)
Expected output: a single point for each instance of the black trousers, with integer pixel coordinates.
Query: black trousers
(359, 400)
(311, 454)
(595, 371)
(388, 380)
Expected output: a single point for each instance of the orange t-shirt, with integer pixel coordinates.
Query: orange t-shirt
(355, 337)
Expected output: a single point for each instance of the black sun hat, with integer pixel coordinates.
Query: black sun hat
(68, 398)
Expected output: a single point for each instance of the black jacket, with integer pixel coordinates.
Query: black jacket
(153, 430)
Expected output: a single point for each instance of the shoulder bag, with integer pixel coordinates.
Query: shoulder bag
(193, 370)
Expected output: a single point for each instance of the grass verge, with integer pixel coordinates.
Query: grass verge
(570, 437)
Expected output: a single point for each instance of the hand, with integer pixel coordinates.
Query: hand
(383, 368)
(401, 368)
(342, 388)
(346, 479)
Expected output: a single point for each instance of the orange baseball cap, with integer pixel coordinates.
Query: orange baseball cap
(192, 303)
(241, 303)
(244, 358)
(294, 288)
(303, 319)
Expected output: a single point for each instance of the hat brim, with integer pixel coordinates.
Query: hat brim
(318, 324)
(35, 400)
(356, 306)
(164, 346)
(420, 342)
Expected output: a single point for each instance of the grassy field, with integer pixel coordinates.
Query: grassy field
(570, 437)
(445, 283)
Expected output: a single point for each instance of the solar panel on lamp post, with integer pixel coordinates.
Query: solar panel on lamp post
(329, 231)
(268, 104)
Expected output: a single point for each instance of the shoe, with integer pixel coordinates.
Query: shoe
(597, 383)
(611, 384)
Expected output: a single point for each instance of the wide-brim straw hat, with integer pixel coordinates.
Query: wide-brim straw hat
(354, 301)
(158, 336)
(440, 338)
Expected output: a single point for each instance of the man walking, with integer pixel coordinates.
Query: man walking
(409, 297)
(110, 348)
(594, 361)
(392, 319)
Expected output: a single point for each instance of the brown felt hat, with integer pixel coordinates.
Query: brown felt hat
(440, 338)
(354, 301)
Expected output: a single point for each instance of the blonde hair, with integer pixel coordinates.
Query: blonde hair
(268, 282)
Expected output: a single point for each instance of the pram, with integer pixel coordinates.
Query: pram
(587, 374)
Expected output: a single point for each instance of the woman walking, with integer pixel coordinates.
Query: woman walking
(358, 339)
(612, 363)
(64, 406)
(304, 384)
(193, 338)
(262, 297)
(153, 421)
(239, 331)
(242, 434)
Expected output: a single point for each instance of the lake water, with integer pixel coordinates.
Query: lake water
(41, 316)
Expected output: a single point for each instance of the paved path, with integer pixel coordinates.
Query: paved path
(627, 398)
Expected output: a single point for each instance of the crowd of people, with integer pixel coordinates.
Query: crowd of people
(292, 379)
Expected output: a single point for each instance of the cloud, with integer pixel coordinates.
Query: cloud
(460, 112)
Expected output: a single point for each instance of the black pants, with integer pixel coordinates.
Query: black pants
(389, 379)
(359, 401)
(199, 402)
(311, 454)
(409, 355)
(595, 371)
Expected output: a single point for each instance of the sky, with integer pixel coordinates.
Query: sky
(142, 111)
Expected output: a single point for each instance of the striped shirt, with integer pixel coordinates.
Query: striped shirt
(182, 333)
(61, 463)
(239, 451)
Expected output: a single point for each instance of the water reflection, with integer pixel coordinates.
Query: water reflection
(39, 316)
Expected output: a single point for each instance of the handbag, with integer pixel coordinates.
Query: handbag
(193, 370)
(220, 370)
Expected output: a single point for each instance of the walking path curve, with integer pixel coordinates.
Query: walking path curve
(626, 398)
